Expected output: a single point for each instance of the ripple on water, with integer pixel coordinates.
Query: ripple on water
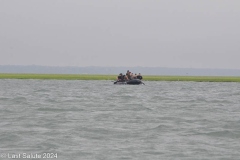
(99, 120)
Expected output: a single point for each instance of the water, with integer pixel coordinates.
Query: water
(99, 120)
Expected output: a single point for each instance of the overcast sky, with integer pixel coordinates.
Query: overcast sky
(163, 33)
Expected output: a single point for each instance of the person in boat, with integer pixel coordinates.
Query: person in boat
(125, 77)
(139, 76)
(132, 75)
(121, 77)
(135, 76)
(128, 74)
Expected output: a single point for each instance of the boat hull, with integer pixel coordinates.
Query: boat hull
(130, 82)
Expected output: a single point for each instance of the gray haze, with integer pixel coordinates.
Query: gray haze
(164, 33)
(116, 70)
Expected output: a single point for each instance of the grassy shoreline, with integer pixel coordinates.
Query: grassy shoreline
(113, 77)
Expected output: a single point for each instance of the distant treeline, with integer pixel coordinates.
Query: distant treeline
(34, 69)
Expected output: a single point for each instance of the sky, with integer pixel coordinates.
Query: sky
(148, 33)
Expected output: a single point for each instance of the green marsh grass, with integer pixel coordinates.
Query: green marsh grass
(58, 76)
(113, 77)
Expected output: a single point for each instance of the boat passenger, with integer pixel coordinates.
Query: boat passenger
(120, 77)
(139, 76)
(125, 77)
(127, 72)
(132, 76)
(129, 75)
(135, 76)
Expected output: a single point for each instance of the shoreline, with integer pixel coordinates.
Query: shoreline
(113, 77)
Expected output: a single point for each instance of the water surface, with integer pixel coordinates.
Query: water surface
(99, 120)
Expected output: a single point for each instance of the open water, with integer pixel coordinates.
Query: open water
(98, 120)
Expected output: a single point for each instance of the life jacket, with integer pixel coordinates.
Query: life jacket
(139, 77)
(123, 77)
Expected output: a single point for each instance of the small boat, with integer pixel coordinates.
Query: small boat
(131, 82)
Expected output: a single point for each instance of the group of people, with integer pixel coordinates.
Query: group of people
(129, 76)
